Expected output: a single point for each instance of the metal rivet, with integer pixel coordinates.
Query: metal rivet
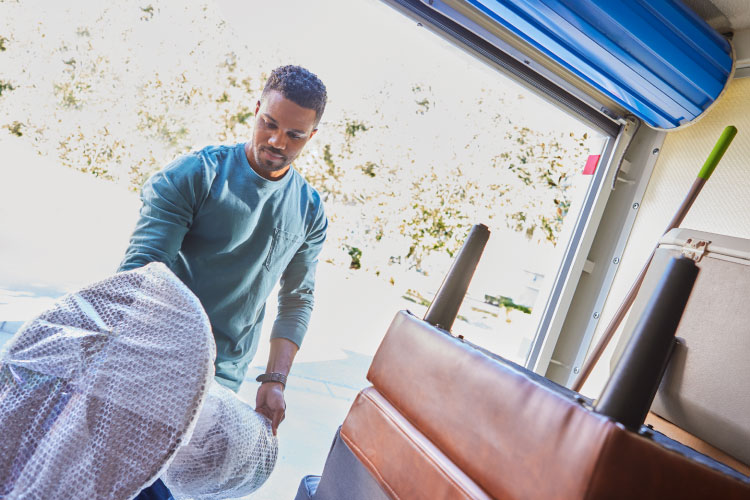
(596, 315)
(656, 150)
(616, 260)
(636, 205)
(576, 370)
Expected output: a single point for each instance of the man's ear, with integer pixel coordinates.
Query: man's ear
(257, 108)
(312, 133)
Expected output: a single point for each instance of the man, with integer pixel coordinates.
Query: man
(231, 221)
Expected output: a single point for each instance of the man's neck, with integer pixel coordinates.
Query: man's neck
(274, 175)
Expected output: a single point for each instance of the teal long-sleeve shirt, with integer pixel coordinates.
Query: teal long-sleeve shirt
(230, 236)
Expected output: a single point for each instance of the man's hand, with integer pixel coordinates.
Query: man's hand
(270, 398)
(270, 402)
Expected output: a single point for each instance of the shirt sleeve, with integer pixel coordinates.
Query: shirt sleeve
(170, 200)
(298, 284)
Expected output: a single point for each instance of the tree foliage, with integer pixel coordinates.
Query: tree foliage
(95, 97)
(404, 176)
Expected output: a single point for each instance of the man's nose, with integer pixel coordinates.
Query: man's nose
(277, 140)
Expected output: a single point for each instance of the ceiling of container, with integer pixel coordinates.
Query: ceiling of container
(723, 15)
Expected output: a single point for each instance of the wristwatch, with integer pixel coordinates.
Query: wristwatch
(272, 377)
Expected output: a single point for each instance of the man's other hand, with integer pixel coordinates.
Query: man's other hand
(270, 402)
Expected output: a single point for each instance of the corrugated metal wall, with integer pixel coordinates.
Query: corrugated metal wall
(656, 58)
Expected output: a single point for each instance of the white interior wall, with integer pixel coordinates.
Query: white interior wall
(722, 207)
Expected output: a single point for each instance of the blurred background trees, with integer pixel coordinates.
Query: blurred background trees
(118, 90)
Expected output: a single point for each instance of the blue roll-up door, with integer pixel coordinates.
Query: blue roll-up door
(656, 58)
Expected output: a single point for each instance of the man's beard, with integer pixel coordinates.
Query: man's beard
(270, 165)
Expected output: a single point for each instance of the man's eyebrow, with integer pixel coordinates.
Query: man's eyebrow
(270, 118)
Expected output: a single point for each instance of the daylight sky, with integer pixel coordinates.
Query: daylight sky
(358, 47)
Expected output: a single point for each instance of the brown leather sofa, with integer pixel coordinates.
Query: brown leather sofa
(446, 419)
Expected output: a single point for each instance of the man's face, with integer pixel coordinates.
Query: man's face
(282, 128)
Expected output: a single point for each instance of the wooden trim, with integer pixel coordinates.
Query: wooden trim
(682, 436)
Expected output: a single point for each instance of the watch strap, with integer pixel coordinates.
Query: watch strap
(272, 377)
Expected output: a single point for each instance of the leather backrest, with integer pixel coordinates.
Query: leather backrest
(492, 421)
(406, 464)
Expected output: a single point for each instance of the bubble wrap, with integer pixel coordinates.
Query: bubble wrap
(231, 453)
(98, 393)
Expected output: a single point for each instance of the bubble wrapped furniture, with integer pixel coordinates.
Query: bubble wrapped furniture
(99, 393)
(231, 452)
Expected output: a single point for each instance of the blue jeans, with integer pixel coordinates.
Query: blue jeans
(157, 491)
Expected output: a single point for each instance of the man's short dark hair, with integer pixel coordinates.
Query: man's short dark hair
(299, 86)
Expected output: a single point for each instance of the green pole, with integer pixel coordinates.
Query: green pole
(719, 149)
